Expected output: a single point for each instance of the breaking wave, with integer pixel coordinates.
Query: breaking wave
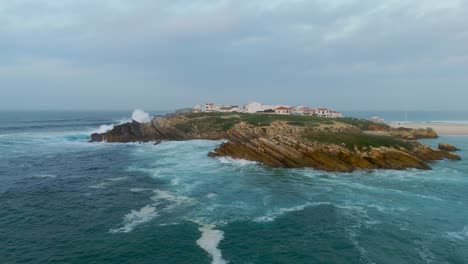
(137, 115)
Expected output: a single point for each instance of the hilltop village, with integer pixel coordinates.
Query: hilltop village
(259, 108)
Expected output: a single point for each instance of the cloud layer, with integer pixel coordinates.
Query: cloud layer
(165, 54)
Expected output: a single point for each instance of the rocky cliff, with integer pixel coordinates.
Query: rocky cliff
(338, 145)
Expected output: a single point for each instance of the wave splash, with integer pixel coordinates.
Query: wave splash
(141, 116)
(137, 115)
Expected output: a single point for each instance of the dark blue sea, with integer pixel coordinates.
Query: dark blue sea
(63, 200)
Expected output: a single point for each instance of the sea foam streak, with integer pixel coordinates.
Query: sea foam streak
(238, 162)
(135, 218)
(164, 200)
(209, 241)
(271, 216)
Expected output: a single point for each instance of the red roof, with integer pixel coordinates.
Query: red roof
(325, 109)
(282, 108)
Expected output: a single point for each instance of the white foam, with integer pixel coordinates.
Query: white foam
(271, 216)
(176, 199)
(135, 218)
(209, 241)
(101, 185)
(117, 179)
(461, 235)
(139, 189)
(175, 181)
(238, 162)
(137, 115)
(211, 195)
(44, 176)
(141, 116)
(102, 129)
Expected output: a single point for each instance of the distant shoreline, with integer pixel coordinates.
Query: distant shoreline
(441, 128)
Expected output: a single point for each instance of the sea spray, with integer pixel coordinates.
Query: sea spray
(137, 115)
(103, 129)
(141, 116)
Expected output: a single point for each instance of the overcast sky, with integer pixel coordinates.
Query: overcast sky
(165, 54)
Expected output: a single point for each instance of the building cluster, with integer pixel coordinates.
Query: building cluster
(258, 108)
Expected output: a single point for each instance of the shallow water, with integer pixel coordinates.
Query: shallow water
(68, 201)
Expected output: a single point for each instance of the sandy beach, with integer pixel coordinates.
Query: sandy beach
(440, 128)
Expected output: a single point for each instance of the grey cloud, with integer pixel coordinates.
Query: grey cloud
(235, 51)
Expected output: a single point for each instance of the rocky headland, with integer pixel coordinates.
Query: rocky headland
(340, 145)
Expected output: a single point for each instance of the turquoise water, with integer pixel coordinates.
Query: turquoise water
(64, 200)
(413, 116)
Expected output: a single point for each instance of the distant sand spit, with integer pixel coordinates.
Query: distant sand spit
(440, 128)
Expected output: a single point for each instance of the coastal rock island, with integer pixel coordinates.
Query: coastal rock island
(336, 145)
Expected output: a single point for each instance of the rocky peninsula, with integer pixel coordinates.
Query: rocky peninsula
(338, 145)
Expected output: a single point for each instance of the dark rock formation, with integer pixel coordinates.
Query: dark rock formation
(329, 146)
(128, 132)
(412, 134)
(447, 147)
(273, 148)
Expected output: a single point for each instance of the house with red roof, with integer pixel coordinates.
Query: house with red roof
(282, 110)
(325, 112)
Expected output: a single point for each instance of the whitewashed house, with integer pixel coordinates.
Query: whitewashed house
(256, 107)
(282, 110)
(301, 110)
(210, 108)
(325, 112)
(335, 114)
(321, 112)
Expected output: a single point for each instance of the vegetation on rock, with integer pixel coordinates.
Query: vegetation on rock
(342, 144)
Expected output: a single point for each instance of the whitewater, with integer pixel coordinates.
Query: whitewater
(67, 200)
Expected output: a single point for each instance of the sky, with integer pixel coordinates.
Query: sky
(167, 54)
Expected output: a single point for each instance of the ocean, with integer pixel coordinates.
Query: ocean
(458, 117)
(64, 200)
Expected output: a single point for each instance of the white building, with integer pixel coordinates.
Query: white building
(335, 114)
(301, 110)
(282, 110)
(325, 112)
(255, 107)
(229, 109)
(210, 108)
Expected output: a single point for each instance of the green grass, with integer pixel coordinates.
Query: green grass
(361, 123)
(359, 140)
(227, 120)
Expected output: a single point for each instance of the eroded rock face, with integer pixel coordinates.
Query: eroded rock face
(282, 145)
(447, 147)
(129, 132)
(412, 134)
(287, 150)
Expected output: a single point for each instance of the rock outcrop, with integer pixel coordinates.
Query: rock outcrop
(447, 147)
(412, 134)
(278, 149)
(328, 146)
